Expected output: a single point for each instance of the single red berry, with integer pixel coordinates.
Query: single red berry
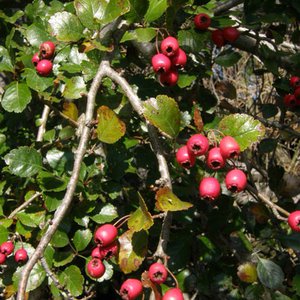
(110, 250)
(218, 38)
(202, 21)
(21, 255)
(209, 188)
(230, 34)
(295, 82)
(95, 268)
(215, 160)
(290, 100)
(105, 234)
(2, 258)
(236, 180)
(44, 67)
(170, 78)
(198, 144)
(96, 253)
(294, 220)
(131, 289)
(161, 63)
(184, 157)
(47, 49)
(179, 59)
(158, 273)
(173, 294)
(229, 147)
(35, 58)
(7, 248)
(169, 46)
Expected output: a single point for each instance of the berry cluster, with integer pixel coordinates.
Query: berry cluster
(225, 35)
(166, 63)
(216, 157)
(107, 247)
(7, 248)
(42, 59)
(292, 100)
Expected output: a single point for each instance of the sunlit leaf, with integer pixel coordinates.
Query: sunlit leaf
(82, 238)
(70, 110)
(155, 10)
(72, 278)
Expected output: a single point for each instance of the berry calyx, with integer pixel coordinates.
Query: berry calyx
(158, 273)
(236, 180)
(105, 235)
(173, 294)
(170, 78)
(169, 46)
(21, 255)
(35, 58)
(294, 220)
(161, 63)
(198, 144)
(230, 34)
(179, 59)
(131, 289)
(229, 147)
(2, 258)
(44, 67)
(47, 49)
(184, 157)
(294, 82)
(7, 248)
(209, 188)
(218, 38)
(290, 100)
(95, 268)
(215, 160)
(202, 21)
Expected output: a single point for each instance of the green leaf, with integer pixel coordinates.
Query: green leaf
(185, 80)
(133, 249)
(139, 34)
(110, 128)
(16, 97)
(52, 200)
(244, 128)
(3, 234)
(31, 219)
(269, 274)
(60, 239)
(36, 82)
(66, 27)
(193, 41)
(296, 284)
(62, 258)
(49, 182)
(75, 88)
(72, 279)
(155, 10)
(58, 159)
(17, 15)
(5, 61)
(24, 161)
(137, 11)
(228, 58)
(82, 238)
(107, 214)
(167, 201)
(163, 113)
(141, 219)
(36, 34)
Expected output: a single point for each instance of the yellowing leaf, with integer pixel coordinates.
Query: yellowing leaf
(70, 110)
(167, 201)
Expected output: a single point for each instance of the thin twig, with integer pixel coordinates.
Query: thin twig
(42, 127)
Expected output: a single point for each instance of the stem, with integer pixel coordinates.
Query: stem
(42, 127)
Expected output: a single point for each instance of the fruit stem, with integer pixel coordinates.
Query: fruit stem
(119, 223)
(173, 276)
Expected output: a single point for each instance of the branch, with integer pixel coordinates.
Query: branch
(226, 6)
(42, 127)
(67, 200)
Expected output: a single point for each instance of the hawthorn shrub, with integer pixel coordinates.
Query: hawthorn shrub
(88, 140)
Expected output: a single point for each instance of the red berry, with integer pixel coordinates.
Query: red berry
(109, 251)
(35, 58)
(179, 59)
(218, 38)
(184, 157)
(47, 49)
(169, 46)
(294, 220)
(290, 100)
(209, 188)
(131, 289)
(96, 253)
(198, 144)
(95, 268)
(21, 255)
(161, 63)
(7, 248)
(105, 235)
(44, 67)
(2, 258)
(158, 273)
(230, 34)
(202, 21)
(173, 294)
(236, 180)
(215, 160)
(294, 81)
(229, 147)
(170, 78)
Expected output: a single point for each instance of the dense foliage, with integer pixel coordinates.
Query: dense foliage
(91, 138)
